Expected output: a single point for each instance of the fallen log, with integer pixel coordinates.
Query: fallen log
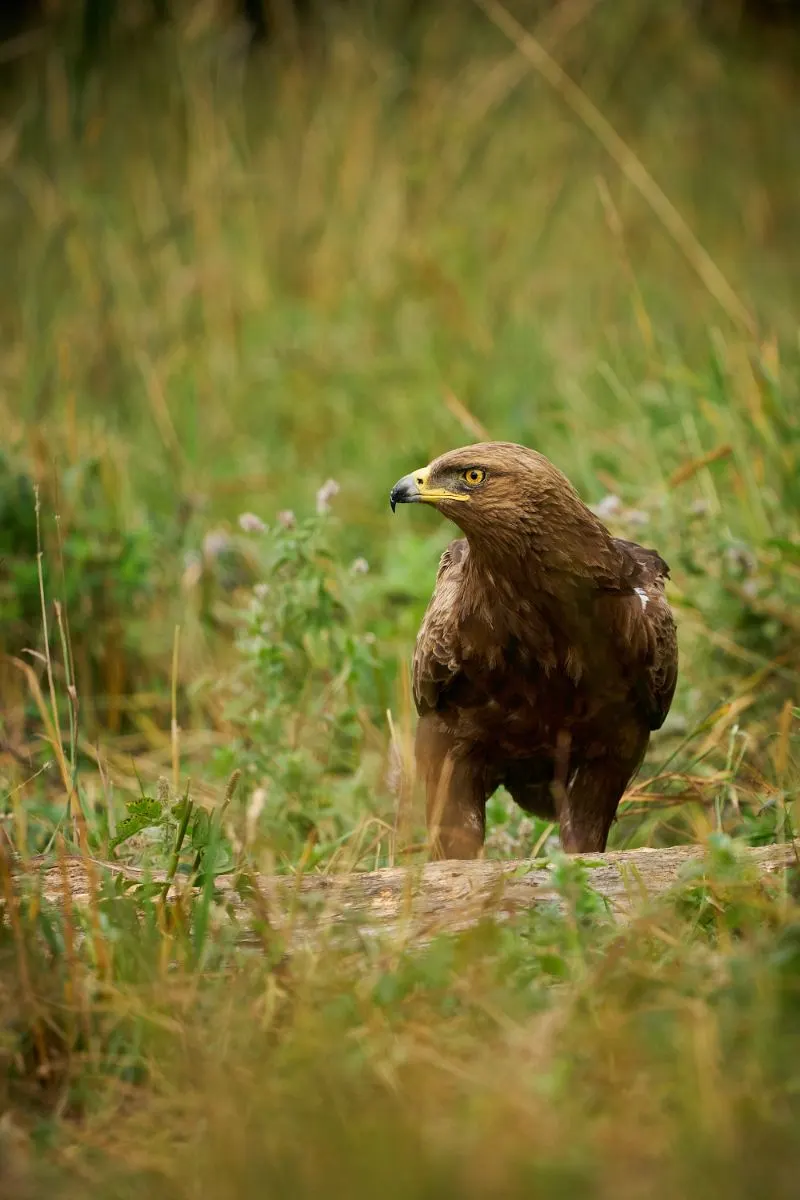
(411, 903)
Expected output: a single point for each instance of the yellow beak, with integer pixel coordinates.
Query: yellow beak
(415, 489)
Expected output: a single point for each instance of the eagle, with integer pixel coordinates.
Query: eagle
(547, 654)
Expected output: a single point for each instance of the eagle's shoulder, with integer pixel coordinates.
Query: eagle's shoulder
(646, 564)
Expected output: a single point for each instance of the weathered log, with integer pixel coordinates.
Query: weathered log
(413, 903)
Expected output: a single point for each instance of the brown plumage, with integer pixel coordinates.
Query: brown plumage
(546, 656)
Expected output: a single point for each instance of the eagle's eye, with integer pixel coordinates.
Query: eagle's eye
(473, 476)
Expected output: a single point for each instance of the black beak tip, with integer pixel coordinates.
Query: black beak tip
(405, 491)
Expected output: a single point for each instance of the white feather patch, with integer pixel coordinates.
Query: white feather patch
(643, 596)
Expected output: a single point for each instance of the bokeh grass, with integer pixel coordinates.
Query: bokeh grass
(230, 278)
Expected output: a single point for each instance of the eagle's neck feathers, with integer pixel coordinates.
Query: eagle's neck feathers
(534, 591)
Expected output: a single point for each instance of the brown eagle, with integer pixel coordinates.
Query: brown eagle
(547, 654)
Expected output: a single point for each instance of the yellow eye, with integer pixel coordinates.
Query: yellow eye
(473, 476)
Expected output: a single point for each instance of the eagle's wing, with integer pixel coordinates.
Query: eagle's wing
(646, 626)
(436, 655)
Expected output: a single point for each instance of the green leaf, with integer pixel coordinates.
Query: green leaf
(201, 829)
(790, 549)
(142, 813)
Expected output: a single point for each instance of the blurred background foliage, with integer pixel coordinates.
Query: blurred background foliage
(259, 260)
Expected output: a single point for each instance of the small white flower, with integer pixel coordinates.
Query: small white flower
(325, 494)
(637, 516)
(359, 566)
(609, 506)
(215, 542)
(250, 523)
(286, 518)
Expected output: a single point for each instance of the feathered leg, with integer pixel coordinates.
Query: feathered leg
(455, 795)
(588, 806)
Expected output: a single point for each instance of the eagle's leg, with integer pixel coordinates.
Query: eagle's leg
(455, 794)
(456, 811)
(587, 808)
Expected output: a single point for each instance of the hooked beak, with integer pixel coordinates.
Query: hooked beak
(407, 489)
(414, 489)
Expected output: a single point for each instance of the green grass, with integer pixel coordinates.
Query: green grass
(226, 284)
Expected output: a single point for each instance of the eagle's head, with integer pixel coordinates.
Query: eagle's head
(494, 489)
